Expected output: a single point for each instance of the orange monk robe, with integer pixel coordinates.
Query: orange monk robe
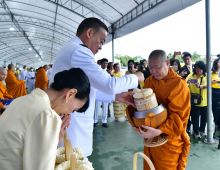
(3, 94)
(15, 87)
(41, 79)
(174, 94)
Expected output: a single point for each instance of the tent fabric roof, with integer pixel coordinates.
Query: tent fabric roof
(32, 31)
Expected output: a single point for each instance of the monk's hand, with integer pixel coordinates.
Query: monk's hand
(65, 124)
(148, 132)
(125, 97)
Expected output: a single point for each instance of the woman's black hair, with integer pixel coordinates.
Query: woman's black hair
(200, 65)
(215, 65)
(73, 78)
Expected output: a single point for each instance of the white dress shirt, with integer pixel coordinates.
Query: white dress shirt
(75, 55)
(29, 133)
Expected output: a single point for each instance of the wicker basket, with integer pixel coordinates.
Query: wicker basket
(146, 103)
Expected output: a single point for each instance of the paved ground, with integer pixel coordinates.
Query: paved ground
(114, 147)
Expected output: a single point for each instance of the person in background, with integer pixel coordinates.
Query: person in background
(188, 67)
(144, 68)
(23, 74)
(198, 85)
(131, 68)
(31, 126)
(101, 104)
(175, 65)
(171, 91)
(15, 87)
(41, 80)
(216, 96)
(4, 95)
(110, 68)
(49, 70)
(119, 108)
(80, 52)
(30, 79)
(99, 62)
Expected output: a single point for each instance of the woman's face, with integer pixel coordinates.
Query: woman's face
(199, 71)
(175, 66)
(69, 103)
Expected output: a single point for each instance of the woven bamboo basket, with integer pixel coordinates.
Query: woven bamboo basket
(146, 103)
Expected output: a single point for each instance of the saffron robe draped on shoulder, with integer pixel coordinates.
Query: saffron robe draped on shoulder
(41, 79)
(4, 94)
(15, 87)
(173, 93)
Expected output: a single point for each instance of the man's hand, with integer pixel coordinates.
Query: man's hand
(65, 125)
(148, 132)
(125, 97)
(140, 76)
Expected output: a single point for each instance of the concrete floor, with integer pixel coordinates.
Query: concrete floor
(114, 148)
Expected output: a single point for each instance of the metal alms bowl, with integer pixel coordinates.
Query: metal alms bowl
(158, 109)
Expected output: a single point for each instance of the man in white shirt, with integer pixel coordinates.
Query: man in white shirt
(103, 104)
(23, 75)
(79, 52)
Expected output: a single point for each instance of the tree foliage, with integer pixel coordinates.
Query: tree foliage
(125, 58)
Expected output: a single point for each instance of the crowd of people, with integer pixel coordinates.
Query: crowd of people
(38, 103)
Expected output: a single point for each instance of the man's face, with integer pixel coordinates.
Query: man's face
(158, 68)
(187, 60)
(96, 40)
(104, 64)
(3, 75)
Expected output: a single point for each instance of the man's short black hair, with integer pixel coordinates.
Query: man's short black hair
(104, 60)
(87, 23)
(186, 54)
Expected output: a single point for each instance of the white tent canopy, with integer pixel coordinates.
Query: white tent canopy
(32, 31)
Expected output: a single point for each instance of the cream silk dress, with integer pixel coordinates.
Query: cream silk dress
(29, 133)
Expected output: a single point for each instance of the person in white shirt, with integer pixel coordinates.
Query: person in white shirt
(30, 80)
(49, 70)
(23, 74)
(79, 52)
(101, 104)
(31, 125)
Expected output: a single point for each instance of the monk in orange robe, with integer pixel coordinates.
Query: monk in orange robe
(3, 91)
(41, 78)
(15, 87)
(171, 91)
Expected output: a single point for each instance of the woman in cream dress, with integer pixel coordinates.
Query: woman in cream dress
(30, 126)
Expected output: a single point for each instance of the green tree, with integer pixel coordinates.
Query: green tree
(125, 58)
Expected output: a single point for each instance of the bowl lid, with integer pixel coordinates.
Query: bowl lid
(160, 108)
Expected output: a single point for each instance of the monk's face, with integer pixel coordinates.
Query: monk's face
(3, 75)
(158, 68)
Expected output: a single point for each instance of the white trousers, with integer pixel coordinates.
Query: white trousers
(98, 105)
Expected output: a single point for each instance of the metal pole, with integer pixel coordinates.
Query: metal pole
(113, 49)
(208, 64)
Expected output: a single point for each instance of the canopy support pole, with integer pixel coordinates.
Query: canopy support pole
(208, 65)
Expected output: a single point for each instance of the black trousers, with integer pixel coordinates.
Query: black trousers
(199, 118)
(216, 106)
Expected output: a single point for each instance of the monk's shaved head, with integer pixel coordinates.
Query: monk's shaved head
(158, 54)
(3, 70)
(3, 73)
(158, 64)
